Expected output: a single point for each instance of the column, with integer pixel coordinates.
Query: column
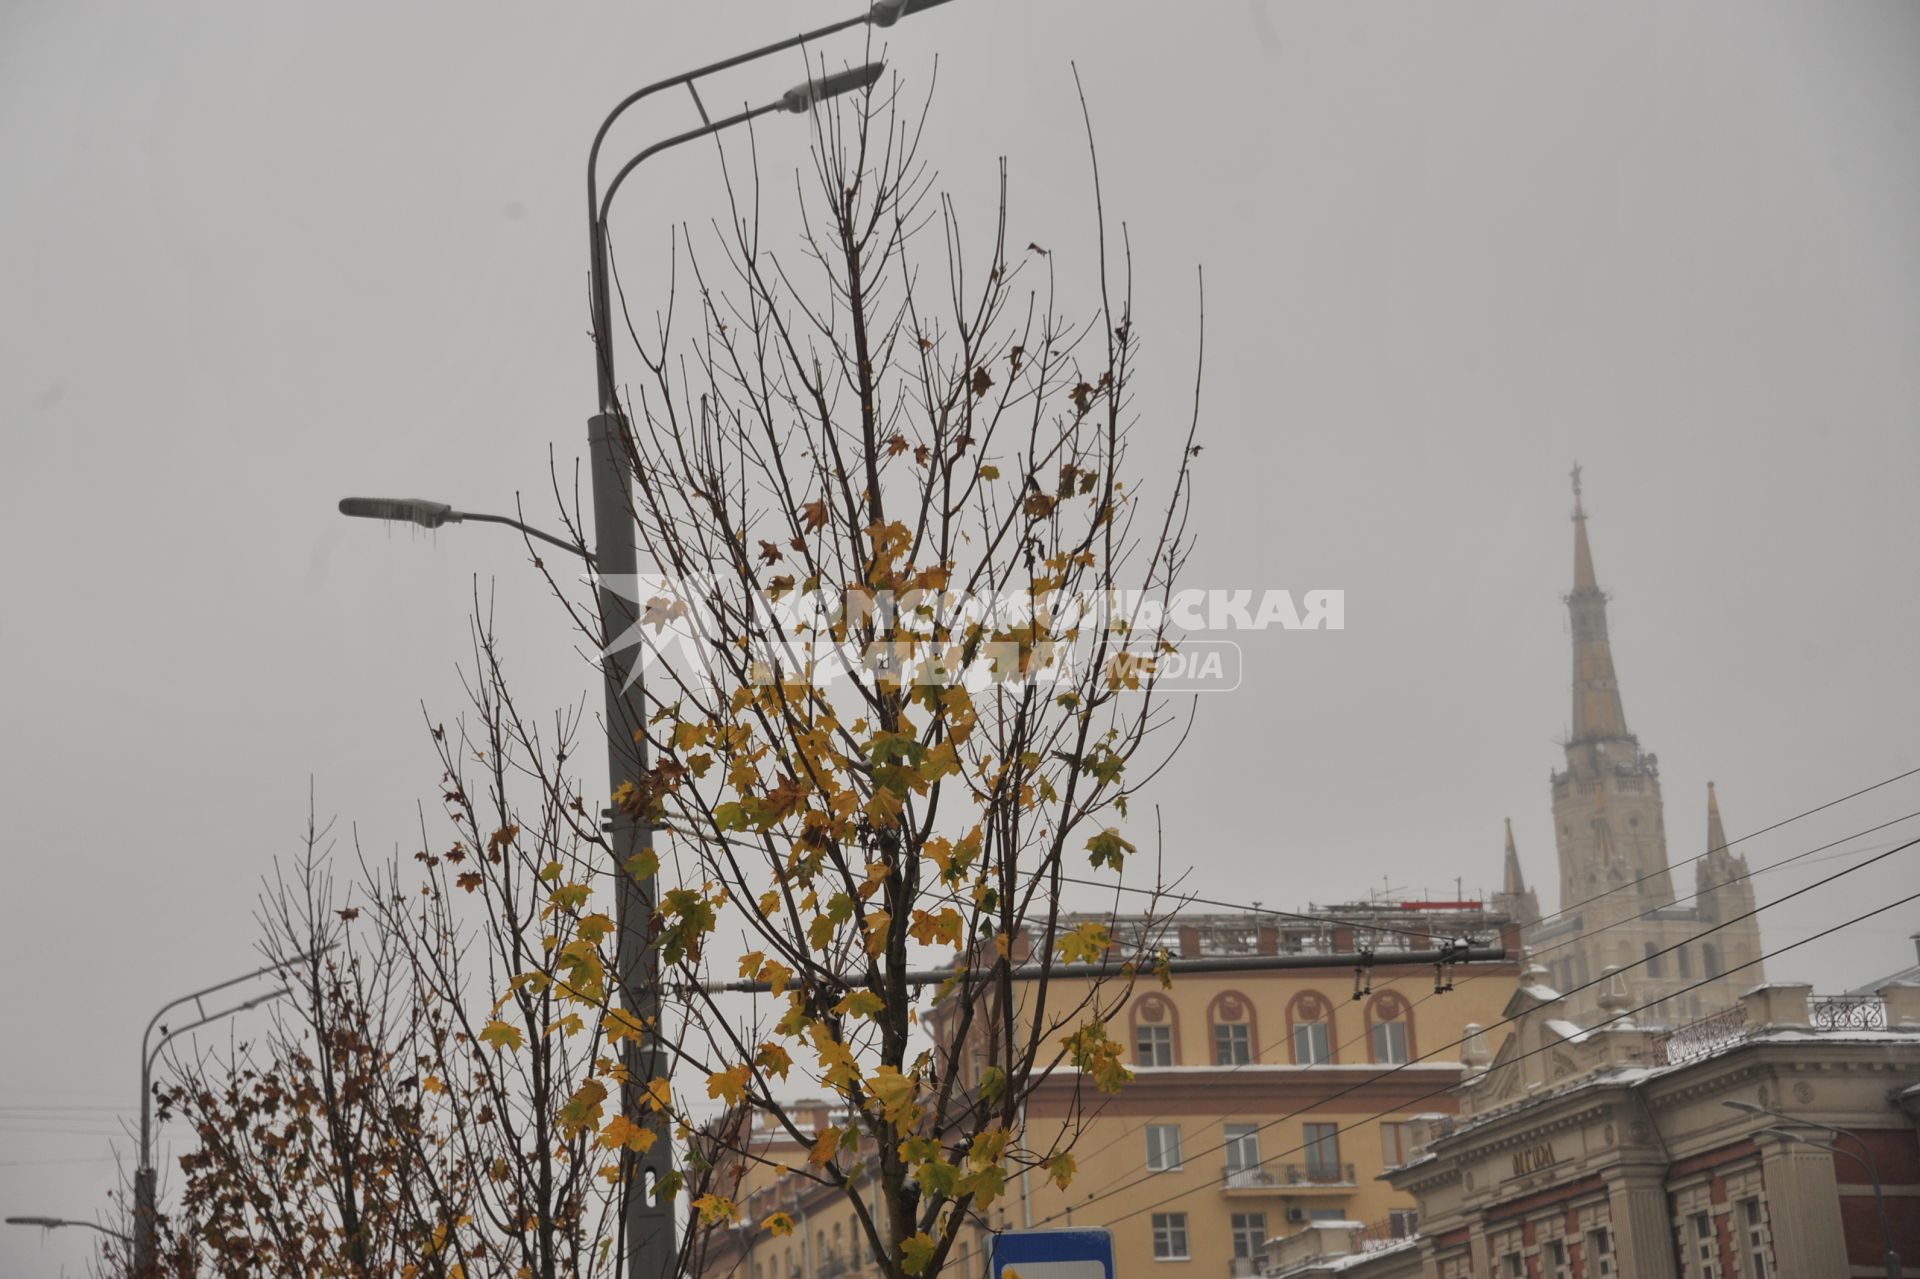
(1803, 1209)
(1643, 1223)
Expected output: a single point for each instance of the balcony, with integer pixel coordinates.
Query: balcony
(1291, 1179)
(1243, 1267)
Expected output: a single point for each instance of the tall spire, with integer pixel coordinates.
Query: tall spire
(1716, 833)
(1513, 883)
(1597, 713)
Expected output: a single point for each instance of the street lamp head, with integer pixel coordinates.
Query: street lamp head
(887, 12)
(267, 998)
(803, 96)
(413, 510)
(45, 1223)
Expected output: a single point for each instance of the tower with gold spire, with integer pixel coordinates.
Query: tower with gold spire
(1617, 904)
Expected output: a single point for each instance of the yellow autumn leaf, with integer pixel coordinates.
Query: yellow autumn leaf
(860, 1003)
(659, 1094)
(730, 1085)
(916, 1251)
(622, 1133)
(619, 1024)
(1085, 944)
(714, 1209)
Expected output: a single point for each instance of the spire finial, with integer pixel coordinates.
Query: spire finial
(1579, 513)
(1716, 832)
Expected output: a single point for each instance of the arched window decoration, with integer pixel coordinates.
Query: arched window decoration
(1156, 1031)
(1230, 1016)
(1390, 1028)
(1310, 1028)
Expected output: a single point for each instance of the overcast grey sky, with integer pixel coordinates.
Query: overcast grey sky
(256, 257)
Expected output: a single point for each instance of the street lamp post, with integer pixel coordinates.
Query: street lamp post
(55, 1223)
(146, 1240)
(648, 1217)
(1784, 1131)
(647, 1222)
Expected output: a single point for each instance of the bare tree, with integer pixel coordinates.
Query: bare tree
(887, 490)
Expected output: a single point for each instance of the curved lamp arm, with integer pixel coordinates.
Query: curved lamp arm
(430, 514)
(55, 1223)
(148, 1049)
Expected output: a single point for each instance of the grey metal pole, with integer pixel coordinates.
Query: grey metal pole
(649, 1225)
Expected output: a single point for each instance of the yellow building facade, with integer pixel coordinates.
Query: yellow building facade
(1262, 1100)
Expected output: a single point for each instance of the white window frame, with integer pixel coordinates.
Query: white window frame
(1316, 1054)
(1392, 1035)
(1163, 1148)
(1170, 1241)
(1242, 1145)
(1238, 1042)
(1756, 1238)
(1599, 1254)
(1243, 1235)
(1703, 1245)
(1162, 1037)
(1401, 1134)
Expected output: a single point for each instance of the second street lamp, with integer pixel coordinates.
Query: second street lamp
(146, 1234)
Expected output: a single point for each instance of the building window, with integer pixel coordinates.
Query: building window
(1557, 1259)
(1389, 1032)
(1153, 1045)
(1231, 1014)
(1390, 1042)
(1323, 1152)
(1310, 1017)
(1685, 957)
(1327, 1214)
(1704, 1251)
(1396, 1144)
(1312, 1045)
(1710, 958)
(1753, 1225)
(1403, 1223)
(1600, 1250)
(1249, 1235)
(1516, 1266)
(1163, 1147)
(1169, 1236)
(1243, 1151)
(1232, 1043)
(1656, 962)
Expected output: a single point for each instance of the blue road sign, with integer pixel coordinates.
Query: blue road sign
(1053, 1254)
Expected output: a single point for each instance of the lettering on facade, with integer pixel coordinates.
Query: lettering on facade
(1534, 1159)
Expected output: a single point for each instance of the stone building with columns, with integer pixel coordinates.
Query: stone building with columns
(1617, 905)
(1591, 1154)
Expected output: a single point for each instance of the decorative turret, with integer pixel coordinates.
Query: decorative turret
(1515, 900)
(1720, 878)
